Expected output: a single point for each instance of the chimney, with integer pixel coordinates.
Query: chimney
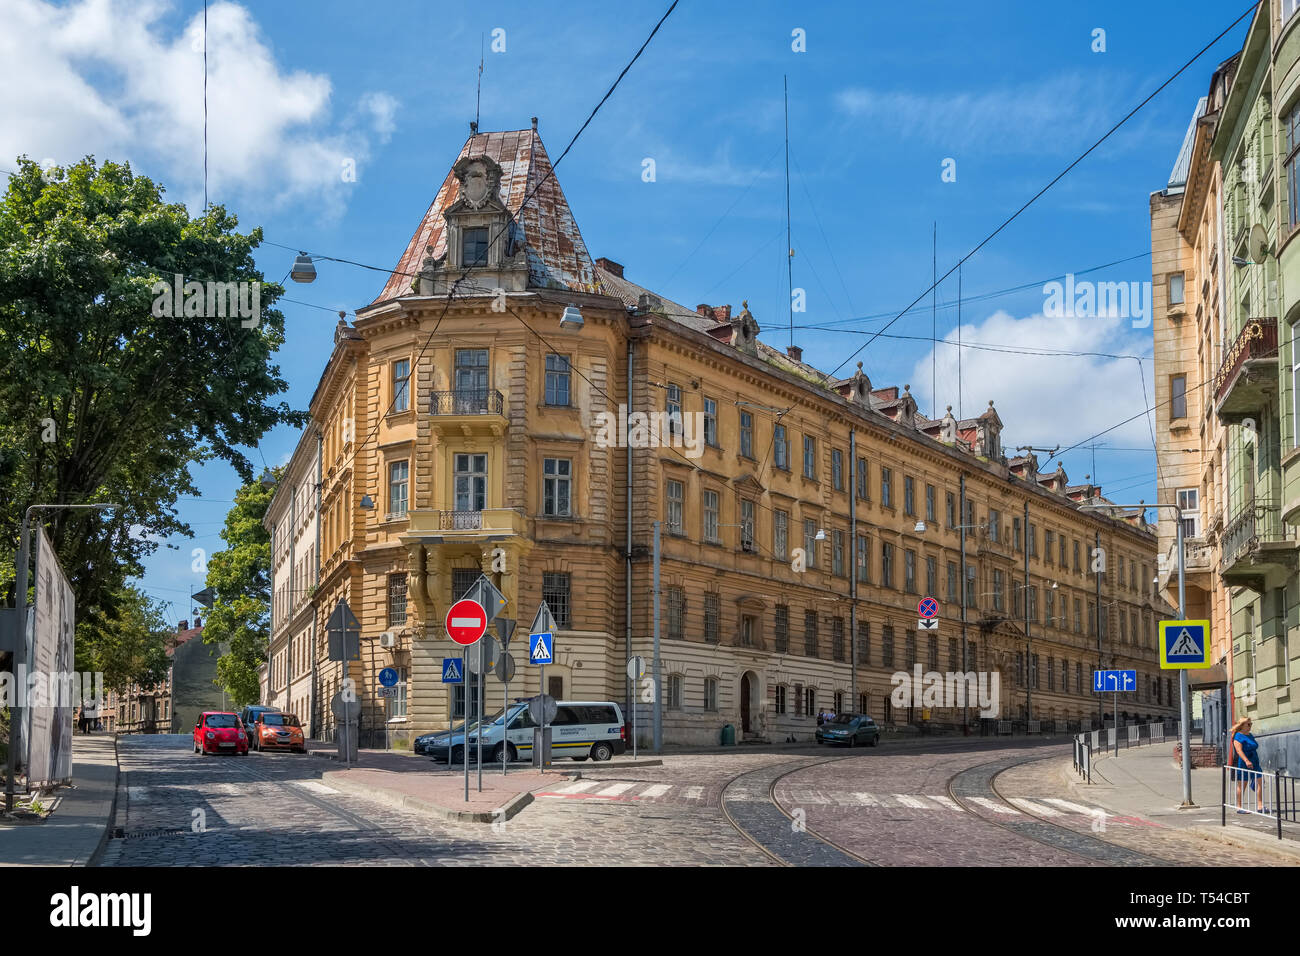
(794, 352)
(722, 313)
(705, 310)
(610, 266)
(197, 623)
(182, 627)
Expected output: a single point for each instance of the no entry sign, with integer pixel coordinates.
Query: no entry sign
(466, 622)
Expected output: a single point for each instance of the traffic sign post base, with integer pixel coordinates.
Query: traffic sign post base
(541, 747)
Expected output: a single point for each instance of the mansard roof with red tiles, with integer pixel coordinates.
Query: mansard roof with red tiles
(557, 256)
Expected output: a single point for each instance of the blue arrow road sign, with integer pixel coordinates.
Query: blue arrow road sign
(451, 671)
(541, 648)
(1112, 681)
(388, 677)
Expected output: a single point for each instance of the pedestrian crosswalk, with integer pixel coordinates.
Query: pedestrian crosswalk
(1050, 808)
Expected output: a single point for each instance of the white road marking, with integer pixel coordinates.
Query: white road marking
(615, 790)
(993, 805)
(1031, 807)
(801, 797)
(658, 790)
(1073, 807)
(694, 793)
(914, 802)
(946, 802)
(315, 786)
(867, 799)
(578, 787)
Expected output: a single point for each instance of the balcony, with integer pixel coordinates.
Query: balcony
(491, 524)
(1256, 546)
(468, 411)
(1247, 378)
(1198, 562)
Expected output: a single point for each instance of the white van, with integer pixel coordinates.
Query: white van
(581, 729)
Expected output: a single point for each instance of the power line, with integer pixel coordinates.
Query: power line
(1059, 176)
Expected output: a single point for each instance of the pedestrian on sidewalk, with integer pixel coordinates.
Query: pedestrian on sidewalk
(1245, 757)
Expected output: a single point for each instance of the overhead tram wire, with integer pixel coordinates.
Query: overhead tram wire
(1059, 176)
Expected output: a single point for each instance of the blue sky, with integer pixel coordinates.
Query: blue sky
(883, 95)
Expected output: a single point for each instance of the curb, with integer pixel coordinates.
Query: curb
(630, 765)
(111, 823)
(507, 810)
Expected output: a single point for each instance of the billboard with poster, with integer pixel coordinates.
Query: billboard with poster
(55, 685)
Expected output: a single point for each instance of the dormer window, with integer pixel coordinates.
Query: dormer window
(474, 246)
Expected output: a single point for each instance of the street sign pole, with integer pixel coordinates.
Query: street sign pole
(1185, 705)
(658, 705)
(464, 737)
(482, 712)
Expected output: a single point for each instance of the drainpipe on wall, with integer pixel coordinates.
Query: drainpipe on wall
(629, 687)
(315, 693)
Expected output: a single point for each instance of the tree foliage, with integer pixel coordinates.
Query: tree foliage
(103, 400)
(130, 645)
(240, 617)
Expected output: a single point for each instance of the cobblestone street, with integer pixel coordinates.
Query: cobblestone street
(955, 802)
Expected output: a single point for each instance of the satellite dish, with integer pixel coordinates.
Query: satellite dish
(1258, 243)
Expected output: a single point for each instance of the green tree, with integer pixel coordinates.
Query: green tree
(131, 644)
(240, 617)
(103, 399)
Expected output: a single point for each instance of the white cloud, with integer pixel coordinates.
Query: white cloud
(1046, 400)
(113, 78)
(1050, 116)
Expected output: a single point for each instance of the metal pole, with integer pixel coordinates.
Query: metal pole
(634, 683)
(658, 702)
(20, 658)
(505, 724)
(541, 680)
(853, 573)
(464, 735)
(1185, 708)
(1101, 700)
(482, 712)
(1030, 672)
(961, 596)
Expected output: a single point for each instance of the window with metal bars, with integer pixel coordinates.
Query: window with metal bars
(837, 638)
(864, 643)
(810, 633)
(462, 579)
(676, 613)
(781, 629)
(712, 612)
(887, 646)
(555, 592)
(396, 599)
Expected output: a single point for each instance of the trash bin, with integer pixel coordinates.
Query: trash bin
(729, 735)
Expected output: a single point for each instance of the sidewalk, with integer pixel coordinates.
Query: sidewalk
(1146, 782)
(74, 832)
(394, 778)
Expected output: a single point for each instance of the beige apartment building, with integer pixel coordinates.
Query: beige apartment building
(464, 429)
(1189, 288)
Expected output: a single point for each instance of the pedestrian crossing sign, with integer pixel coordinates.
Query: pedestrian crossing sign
(1184, 644)
(451, 671)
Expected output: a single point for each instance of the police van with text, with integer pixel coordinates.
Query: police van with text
(581, 729)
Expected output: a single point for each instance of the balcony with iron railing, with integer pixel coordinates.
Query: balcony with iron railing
(1256, 545)
(451, 526)
(1247, 377)
(468, 411)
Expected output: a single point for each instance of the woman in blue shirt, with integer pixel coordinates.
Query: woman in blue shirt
(1245, 756)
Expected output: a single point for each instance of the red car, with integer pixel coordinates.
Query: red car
(220, 732)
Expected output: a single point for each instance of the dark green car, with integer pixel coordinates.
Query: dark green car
(850, 729)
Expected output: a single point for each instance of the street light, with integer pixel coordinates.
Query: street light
(1185, 702)
(20, 647)
(303, 270)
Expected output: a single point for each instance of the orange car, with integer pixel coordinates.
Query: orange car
(275, 731)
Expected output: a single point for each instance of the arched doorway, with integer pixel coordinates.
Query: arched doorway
(748, 694)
